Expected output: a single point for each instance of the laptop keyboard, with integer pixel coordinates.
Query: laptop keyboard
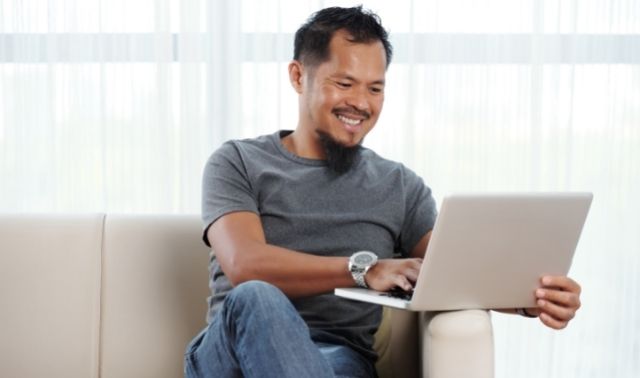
(399, 293)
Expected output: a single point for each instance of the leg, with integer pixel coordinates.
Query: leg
(257, 333)
(346, 362)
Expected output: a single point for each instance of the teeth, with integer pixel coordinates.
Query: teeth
(349, 120)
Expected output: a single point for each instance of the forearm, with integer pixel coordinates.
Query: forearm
(297, 274)
(240, 246)
(241, 249)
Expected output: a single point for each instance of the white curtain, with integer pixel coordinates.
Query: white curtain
(115, 106)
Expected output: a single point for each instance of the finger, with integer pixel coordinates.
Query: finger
(402, 282)
(557, 312)
(552, 322)
(562, 283)
(563, 298)
(412, 274)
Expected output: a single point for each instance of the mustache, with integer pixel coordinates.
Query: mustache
(352, 110)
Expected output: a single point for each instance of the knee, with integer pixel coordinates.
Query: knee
(254, 290)
(254, 304)
(255, 294)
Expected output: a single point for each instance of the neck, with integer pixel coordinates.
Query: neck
(302, 144)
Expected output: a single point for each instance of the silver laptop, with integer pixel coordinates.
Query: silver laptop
(489, 251)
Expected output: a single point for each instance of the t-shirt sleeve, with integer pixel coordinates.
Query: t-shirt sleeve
(420, 212)
(226, 186)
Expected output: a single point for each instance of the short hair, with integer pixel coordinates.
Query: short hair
(311, 45)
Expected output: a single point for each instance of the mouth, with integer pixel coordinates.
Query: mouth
(351, 122)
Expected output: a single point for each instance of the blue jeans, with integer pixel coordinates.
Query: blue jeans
(258, 333)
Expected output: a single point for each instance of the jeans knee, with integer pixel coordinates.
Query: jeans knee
(255, 289)
(256, 294)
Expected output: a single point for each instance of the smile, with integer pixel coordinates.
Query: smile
(349, 121)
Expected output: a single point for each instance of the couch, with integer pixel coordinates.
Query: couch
(118, 296)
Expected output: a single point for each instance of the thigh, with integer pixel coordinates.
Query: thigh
(346, 362)
(206, 356)
(256, 333)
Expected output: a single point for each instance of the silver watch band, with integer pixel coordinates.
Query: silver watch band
(359, 278)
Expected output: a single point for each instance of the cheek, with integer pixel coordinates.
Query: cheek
(329, 98)
(379, 102)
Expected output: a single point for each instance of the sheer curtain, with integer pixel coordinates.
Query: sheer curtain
(115, 105)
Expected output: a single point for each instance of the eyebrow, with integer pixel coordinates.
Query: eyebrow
(351, 78)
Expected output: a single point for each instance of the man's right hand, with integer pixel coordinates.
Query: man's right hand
(390, 273)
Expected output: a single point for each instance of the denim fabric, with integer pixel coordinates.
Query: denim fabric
(258, 333)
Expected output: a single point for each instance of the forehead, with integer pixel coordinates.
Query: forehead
(365, 60)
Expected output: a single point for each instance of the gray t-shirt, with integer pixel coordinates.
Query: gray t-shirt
(378, 205)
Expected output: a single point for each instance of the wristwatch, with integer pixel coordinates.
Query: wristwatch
(359, 264)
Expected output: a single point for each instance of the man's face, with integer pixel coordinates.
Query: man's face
(342, 97)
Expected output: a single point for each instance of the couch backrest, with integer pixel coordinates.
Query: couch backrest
(50, 295)
(154, 290)
(77, 302)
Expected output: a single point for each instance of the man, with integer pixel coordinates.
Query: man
(286, 212)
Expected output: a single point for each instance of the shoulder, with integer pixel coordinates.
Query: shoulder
(261, 143)
(243, 149)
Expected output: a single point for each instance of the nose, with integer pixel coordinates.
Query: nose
(359, 99)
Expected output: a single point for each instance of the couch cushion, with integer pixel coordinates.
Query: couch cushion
(49, 295)
(154, 294)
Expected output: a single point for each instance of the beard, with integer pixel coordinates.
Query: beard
(340, 158)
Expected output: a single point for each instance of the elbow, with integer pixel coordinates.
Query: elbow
(236, 277)
(237, 268)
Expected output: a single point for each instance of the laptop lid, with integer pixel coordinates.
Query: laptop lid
(490, 250)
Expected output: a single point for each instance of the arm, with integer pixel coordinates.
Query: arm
(241, 249)
(421, 248)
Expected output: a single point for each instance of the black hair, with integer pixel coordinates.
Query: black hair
(311, 45)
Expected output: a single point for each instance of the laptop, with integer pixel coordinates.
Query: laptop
(488, 251)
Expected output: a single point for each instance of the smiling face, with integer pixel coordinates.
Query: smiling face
(341, 97)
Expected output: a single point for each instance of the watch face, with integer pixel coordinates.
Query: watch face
(363, 259)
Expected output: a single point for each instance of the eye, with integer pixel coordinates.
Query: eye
(376, 90)
(343, 84)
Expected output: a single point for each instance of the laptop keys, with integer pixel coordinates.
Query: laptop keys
(399, 293)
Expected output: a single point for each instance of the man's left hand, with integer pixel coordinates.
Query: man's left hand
(557, 300)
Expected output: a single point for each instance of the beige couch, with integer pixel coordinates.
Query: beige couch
(118, 296)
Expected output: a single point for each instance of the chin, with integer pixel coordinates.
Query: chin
(339, 135)
(348, 139)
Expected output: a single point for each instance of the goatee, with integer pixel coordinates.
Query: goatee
(340, 158)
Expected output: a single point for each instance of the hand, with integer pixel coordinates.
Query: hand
(390, 273)
(558, 299)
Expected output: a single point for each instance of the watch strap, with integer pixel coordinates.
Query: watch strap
(358, 277)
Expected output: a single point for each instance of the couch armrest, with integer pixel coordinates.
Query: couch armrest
(457, 344)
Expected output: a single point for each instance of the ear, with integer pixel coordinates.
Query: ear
(296, 75)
